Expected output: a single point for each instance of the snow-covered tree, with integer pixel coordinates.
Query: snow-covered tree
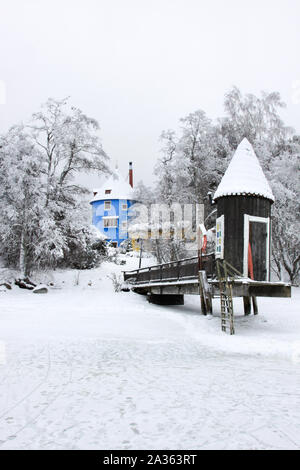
(143, 194)
(165, 169)
(70, 144)
(286, 223)
(21, 199)
(43, 223)
(193, 161)
(256, 118)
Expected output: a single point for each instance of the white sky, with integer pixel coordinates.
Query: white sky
(138, 66)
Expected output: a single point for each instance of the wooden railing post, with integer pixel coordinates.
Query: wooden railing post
(205, 293)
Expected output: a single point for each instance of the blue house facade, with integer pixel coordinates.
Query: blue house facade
(111, 208)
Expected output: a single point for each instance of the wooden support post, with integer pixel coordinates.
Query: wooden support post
(247, 305)
(255, 306)
(201, 292)
(203, 306)
(141, 254)
(205, 293)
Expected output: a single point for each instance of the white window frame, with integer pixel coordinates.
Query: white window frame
(247, 220)
(105, 208)
(110, 222)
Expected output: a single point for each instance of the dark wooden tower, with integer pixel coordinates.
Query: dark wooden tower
(244, 200)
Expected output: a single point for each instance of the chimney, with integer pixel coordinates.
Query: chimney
(130, 174)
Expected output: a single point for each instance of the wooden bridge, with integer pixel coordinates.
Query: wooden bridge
(167, 284)
(243, 245)
(180, 271)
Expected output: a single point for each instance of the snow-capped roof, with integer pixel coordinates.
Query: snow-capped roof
(118, 187)
(244, 175)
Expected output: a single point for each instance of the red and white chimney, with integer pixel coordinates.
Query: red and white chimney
(130, 174)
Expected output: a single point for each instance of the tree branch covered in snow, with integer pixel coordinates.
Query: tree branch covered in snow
(194, 160)
(43, 222)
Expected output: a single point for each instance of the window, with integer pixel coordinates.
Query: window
(107, 191)
(107, 205)
(124, 207)
(110, 223)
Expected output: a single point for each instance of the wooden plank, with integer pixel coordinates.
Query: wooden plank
(202, 295)
(205, 293)
(269, 290)
(173, 270)
(238, 290)
(256, 289)
(173, 290)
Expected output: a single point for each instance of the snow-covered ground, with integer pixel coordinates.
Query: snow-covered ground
(83, 367)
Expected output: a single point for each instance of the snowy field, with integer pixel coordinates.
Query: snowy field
(83, 367)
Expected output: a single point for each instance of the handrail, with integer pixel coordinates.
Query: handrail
(168, 264)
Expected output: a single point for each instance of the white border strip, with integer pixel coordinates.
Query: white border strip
(252, 218)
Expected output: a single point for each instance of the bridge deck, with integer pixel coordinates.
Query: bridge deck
(182, 277)
(241, 288)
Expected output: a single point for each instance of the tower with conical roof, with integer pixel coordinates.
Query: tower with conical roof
(244, 200)
(111, 204)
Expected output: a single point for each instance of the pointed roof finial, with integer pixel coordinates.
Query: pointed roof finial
(244, 175)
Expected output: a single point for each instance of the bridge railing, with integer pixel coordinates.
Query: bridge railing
(173, 271)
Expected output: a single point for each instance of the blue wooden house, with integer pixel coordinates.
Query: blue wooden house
(111, 204)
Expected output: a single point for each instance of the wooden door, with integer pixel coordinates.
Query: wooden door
(258, 239)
